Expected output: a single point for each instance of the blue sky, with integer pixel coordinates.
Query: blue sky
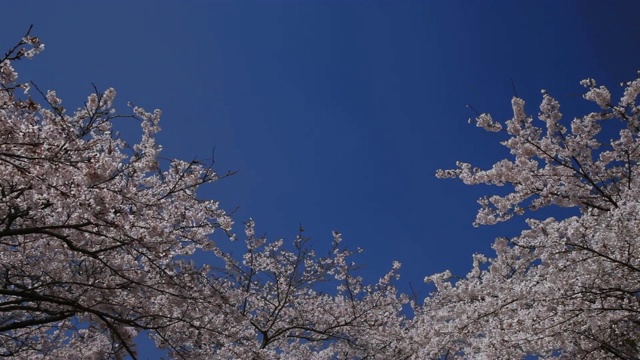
(336, 114)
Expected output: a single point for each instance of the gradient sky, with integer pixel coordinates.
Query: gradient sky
(336, 114)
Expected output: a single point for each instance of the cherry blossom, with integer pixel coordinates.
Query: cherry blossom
(97, 238)
(566, 287)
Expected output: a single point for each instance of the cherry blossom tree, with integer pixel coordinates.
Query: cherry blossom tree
(97, 239)
(567, 287)
(287, 308)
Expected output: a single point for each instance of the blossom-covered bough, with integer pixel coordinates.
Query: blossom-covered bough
(288, 309)
(565, 288)
(96, 242)
(92, 233)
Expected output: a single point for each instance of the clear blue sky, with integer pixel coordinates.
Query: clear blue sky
(336, 114)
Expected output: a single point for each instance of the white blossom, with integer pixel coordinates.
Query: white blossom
(565, 288)
(96, 245)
